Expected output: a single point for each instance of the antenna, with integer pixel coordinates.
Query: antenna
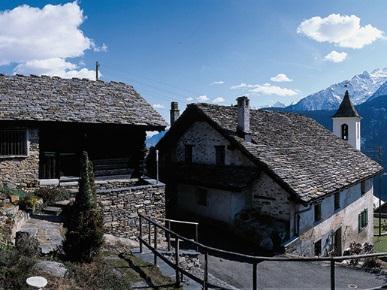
(96, 70)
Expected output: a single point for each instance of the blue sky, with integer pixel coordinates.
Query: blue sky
(189, 50)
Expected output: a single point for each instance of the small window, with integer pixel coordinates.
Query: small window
(317, 212)
(202, 197)
(317, 248)
(363, 187)
(220, 155)
(13, 142)
(363, 219)
(337, 200)
(188, 154)
(344, 131)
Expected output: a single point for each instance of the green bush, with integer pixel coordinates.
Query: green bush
(50, 195)
(30, 201)
(15, 268)
(84, 236)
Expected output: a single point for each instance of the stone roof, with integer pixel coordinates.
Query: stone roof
(33, 98)
(302, 155)
(223, 177)
(346, 108)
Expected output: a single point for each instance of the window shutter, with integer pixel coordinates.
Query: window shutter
(359, 222)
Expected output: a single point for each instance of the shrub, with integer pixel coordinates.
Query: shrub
(26, 245)
(50, 195)
(84, 236)
(30, 201)
(15, 267)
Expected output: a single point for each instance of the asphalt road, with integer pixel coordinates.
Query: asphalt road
(291, 275)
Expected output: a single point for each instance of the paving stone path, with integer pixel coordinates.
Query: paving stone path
(47, 229)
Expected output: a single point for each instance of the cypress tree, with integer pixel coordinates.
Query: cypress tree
(84, 235)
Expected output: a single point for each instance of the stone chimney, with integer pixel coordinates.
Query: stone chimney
(175, 113)
(243, 129)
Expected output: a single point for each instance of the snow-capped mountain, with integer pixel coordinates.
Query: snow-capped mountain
(381, 91)
(360, 88)
(278, 104)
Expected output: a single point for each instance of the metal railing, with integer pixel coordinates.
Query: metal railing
(206, 250)
(171, 221)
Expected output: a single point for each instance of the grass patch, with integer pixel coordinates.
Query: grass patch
(380, 244)
(149, 273)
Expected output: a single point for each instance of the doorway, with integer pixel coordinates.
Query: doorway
(337, 242)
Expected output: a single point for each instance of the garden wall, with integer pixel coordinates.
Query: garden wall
(121, 205)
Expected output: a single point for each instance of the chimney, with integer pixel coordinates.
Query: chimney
(175, 113)
(243, 129)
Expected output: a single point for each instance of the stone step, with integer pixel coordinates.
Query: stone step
(53, 210)
(61, 203)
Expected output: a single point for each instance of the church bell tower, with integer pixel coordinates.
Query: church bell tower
(346, 122)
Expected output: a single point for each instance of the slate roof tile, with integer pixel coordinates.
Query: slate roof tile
(306, 156)
(33, 98)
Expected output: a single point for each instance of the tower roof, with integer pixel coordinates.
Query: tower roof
(346, 109)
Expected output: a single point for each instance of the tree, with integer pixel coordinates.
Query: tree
(84, 236)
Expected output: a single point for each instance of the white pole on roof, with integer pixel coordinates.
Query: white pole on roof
(157, 166)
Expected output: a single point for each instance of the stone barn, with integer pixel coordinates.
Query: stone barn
(279, 177)
(46, 122)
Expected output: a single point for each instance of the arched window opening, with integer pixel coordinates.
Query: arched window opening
(344, 131)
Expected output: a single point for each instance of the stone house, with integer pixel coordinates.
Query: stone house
(45, 122)
(302, 183)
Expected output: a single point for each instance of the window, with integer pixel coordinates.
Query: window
(317, 212)
(188, 154)
(337, 200)
(317, 248)
(363, 187)
(344, 131)
(363, 219)
(220, 155)
(202, 197)
(13, 142)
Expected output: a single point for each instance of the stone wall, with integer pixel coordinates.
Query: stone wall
(352, 202)
(269, 198)
(121, 205)
(23, 171)
(204, 138)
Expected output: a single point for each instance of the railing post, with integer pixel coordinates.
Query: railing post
(155, 245)
(255, 275)
(205, 280)
(169, 236)
(177, 261)
(197, 237)
(140, 225)
(333, 284)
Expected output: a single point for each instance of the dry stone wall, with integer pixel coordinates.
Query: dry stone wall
(122, 205)
(23, 171)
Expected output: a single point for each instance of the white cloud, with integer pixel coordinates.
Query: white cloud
(266, 89)
(241, 86)
(342, 30)
(217, 83)
(280, 78)
(202, 99)
(41, 41)
(54, 67)
(335, 56)
(158, 106)
(189, 99)
(218, 100)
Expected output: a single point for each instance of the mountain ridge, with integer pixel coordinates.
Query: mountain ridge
(361, 87)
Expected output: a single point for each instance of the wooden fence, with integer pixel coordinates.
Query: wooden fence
(253, 260)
